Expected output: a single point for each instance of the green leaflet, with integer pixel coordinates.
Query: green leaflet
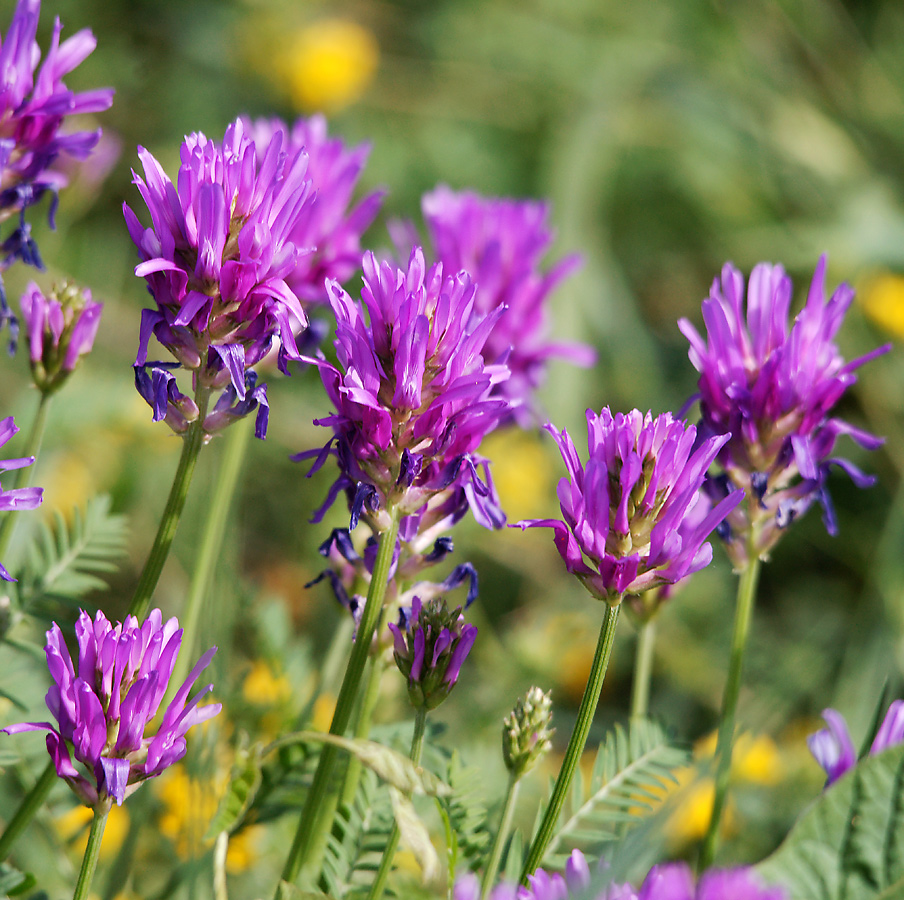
(632, 771)
(244, 781)
(849, 845)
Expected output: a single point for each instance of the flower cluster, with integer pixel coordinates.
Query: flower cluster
(218, 254)
(412, 396)
(325, 227)
(104, 708)
(500, 243)
(772, 389)
(430, 644)
(833, 748)
(635, 510)
(670, 881)
(18, 498)
(526, 735)
(34, 105)
(59, 329)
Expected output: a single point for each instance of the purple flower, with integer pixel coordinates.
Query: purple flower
(34, 104)
(773, 389)
(18, 498)
(219, 252)
(412, 397)
(103, 709)
(430, 644)
(59, 329)
(833, 748)
(326, 227)
(630, 516)
(500, 242)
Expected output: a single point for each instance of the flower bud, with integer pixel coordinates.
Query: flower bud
(526, 733)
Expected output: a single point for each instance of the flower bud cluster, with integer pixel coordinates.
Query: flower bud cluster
(526, 735)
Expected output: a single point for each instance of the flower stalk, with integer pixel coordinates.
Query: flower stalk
(576, 742)
(92, 851)
(502, 833)
(643, 669)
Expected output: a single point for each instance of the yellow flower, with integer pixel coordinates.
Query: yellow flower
(73, 827)
(693, 809)
(328, 64)
(882, 299)
(521, 472)
(322, 715)
(263, 687)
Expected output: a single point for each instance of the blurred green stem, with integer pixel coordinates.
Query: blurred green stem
(23, 475)
(502, 833)
(191, 447)
(312, 827)
(747, 583)
(576, 742)
(643, 670)
(417, 745)
(30, 804)
(237, 439)
(89, 861)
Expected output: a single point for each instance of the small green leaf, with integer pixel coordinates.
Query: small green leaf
(14, 882)
(244, 782)
(414, 834)
(288, 891)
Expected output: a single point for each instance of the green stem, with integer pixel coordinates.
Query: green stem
(237, 439)
(576, 742)
(89, 861)
(643, 670)
(23, 475)
(502, 833)
(191, 447)
(417, 745)
(747, 583)
(30, 804)
(311, 827)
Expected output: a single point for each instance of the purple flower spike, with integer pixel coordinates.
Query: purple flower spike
(34, 105)
(630, 517)
(833, 748)
(104, 704)
(412, 396)
(60, 328)
(772, 389)
(326, 227)
(18, 498)
(430, 644)
(500, 243)
(219, 252)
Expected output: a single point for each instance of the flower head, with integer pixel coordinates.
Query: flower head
(18, 498)
(218, 254)
(833, 748)
(34, 105)
(430, 644)
(526, 735)
(772, 389)
(500, 243)
(630, 517)
(59, 328)
(326, 227)
(412, 395)
(104, 707)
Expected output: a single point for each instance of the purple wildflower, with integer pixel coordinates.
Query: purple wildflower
(833, 748)
(412, 398)
(670, 881)
(500, 242)
(103, 709)
(59, 329)
(631, 512)
(325, 226)
(773, 390)
(430, 644)
(33, 107)
(18, 498)
(218, 255)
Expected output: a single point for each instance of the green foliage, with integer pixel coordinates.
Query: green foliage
(464, 815)
(849, 845)
(65, 558)
(13, 882)
(244, 783)
(631, 774)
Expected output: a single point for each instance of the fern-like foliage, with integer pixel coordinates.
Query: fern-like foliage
(464, 814)
(632, 773)
(355, 847)
(66, 558)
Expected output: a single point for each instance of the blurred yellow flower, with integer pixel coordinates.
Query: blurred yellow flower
(328, 64)
(263, 687)
(322, 715)
(693, 809)
(521, 472)
(882, 299)
(73, 827)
